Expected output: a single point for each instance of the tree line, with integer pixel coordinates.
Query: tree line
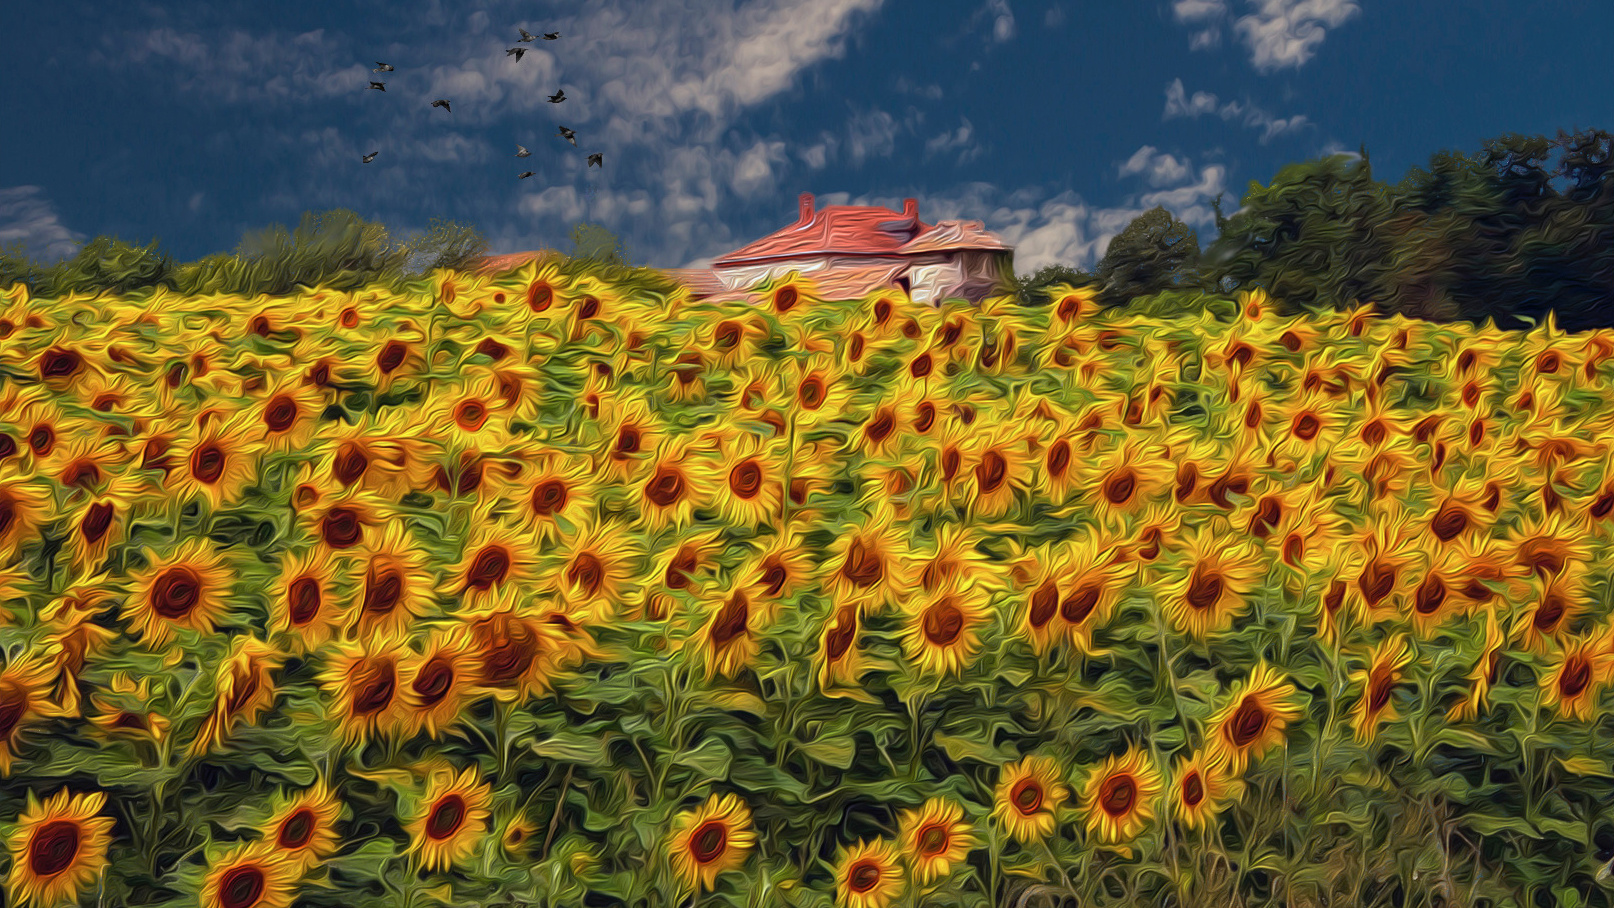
(1471, 237)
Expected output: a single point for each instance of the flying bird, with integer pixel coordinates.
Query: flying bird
(378, 86)
(382, 67)
(558, 97)
(371, 156)
(523, 176)
(550, 36)
(443, 104)
(568, 135)
(596, 160)
(518, 51)
(525, 35)
(521, 151)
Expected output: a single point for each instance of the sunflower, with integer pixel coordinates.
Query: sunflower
(1119, 797)
(933, 839)
(187, 588)
(99, 520)
(819, 392)
(1000, 465)
(1201, 786)
(450, 820)
(59, 848)
(728, 640)
(1582, 670)
(308, 600)
(1042, 571)
(516, 835)
(715, 838)
(439, 682)
(1557, 603)
(678, 478)
(1485, 673)
(85, 463)
(868, 875)
(466, 414)
(592, 569)
(392, 357)
(944, 627)
(286, 414)
(869, 563)
(1436, 601)
(1214, 573)
(343, 522)
(1379, 679)
(1028, 797)
(302, 827)
(250, 875)
(243, 690)
(392, 583)
(371, 454)
(494, 555)
(215, 462)
(752, 475)
(840, 662)
(953, 554)
(364, 683)
(680, 566)
(1254, 718)
(730, 342)
(630, 435)
(25, 506)
(517, 648)
(555, 487)
(1551, 546)
(1123, 482)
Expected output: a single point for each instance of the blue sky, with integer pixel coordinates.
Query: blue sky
(1054, 122)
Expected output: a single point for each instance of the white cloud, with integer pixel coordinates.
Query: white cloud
(1054, 18)
(1002, 20)
(906, 86)
(1178, 104)
(872, 134)
(1159, 169)
(960, 138)
(1278, 34)
(1285, 33)
(28, 217)
(753, 170)
(195, 204)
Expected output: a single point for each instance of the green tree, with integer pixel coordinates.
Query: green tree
(104, 265)
(1155, 252)
(446, 245)
(592, 242)
(1032, 288)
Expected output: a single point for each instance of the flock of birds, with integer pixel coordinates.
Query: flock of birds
(594, 160)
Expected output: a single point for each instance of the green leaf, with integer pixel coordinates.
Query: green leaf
(1485, 824)
(959, 749)
(571, 748)
(710, 759)
(831, 750)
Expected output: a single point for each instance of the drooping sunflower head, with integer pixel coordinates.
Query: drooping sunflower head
(1214, 572)
(363, 680)
(1119, 797)
(1029, 795)
(1579, 674)
(243, 689)
(250, 875)
(439, 682)
(1255, 717)
(1379, 678)
(714, 838)
(1202, 785)
(869, 562)
(944, 627)
(308, 602)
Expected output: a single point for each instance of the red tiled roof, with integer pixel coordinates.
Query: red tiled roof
(949, 235)
(841, 229)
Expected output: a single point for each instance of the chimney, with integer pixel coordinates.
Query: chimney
(910, 208)
(806, 208)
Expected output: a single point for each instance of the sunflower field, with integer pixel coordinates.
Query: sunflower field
(533, 589)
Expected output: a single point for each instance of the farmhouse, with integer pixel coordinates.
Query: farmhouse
(853, 250)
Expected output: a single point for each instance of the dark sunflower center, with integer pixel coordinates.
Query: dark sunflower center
(1058, 459)
(508, 651)
(207, 463)
(1376, 581)
(1449, 522)
(298, 830)
(665, 488)
(926, 418)
(446, 817)
(540, 296)
(1193, 789)
(1118, 794)
(14, 701)
(811, 393)
(434, 679)
(1249, 722)
(549, 497)
(350, 463)
(383, 590)
(921, 366)
(1549, 613)
(53, 847)
(341, 528)
(1044, 603)
(862, 566)
(943, 622)
(391, 357)
(245, 684)
(176, 592)
(745, 480)
(242, 887)
(42, 439)
(1306, 427)
(774, 576)
(732, 620)
(1205, 588)
(1576, 677)
(1430, 596)
(785, 299)
(303, 600)
(59, 363)
(377, 682)
(991, 472)
(709, 841)
(280, 414)
(586, 573)
(840, 637)
(1118, 489)
(863, 877)
(470, 415)
(1026, 796)
(881, 426)
(932, 839)
(490, 566)
(97, 521)
(1380, 684)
